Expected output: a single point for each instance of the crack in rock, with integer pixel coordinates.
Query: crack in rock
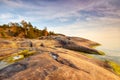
(65, 61)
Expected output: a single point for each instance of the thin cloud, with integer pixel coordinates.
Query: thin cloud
(61, 10)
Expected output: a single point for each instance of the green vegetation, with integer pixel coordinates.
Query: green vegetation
(18, 56)
(23, 29)
(97, 52)
(26, 53)
(101, 52)
(11, 59)
(115, 67)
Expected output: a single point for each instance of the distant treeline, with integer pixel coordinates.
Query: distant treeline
(23, 29)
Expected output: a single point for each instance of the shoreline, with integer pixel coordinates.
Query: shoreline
(68, 51)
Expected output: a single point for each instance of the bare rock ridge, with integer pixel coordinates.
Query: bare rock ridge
(54, 60)
(77, 44)
(72, 43)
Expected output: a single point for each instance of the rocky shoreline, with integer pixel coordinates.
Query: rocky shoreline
(52, 58)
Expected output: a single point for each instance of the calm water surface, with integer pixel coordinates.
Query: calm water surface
(109, 38)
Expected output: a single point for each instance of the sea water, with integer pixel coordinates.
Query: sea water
(108, 37)
(112, 55)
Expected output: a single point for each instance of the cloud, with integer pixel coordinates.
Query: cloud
(8, 17)
(13, 3)
(90, 25)
(5, 16)
(60, 10)
(70, 17)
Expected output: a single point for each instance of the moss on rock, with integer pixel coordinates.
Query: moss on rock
(18, 56)
(115, 67)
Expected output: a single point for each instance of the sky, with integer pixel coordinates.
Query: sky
(98, 20)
